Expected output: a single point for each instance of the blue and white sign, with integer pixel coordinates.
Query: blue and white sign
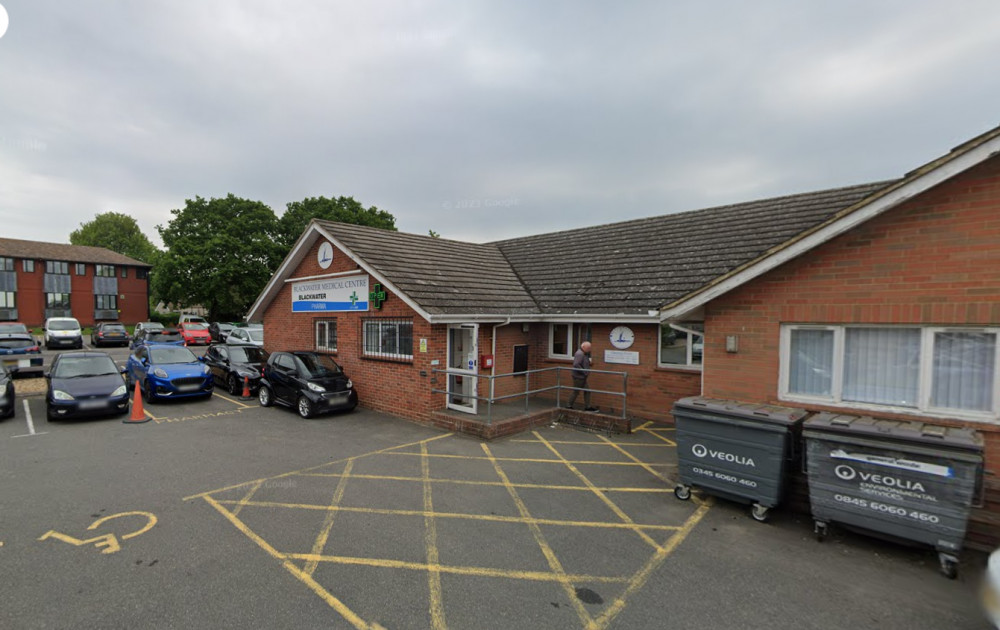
(347, 293)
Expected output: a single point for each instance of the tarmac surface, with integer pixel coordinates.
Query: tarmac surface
(221, 514)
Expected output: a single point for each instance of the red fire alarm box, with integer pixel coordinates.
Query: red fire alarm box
(486, 361)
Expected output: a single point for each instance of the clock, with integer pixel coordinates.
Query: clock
(325, 255)
(622, 337)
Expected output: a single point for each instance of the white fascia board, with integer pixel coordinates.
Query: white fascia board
(600, 318)
(884, 203)
(292, 260)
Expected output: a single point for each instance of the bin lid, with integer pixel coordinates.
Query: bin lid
(752, 411)
(900, 430)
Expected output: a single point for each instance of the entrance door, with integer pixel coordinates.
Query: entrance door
(462, 357)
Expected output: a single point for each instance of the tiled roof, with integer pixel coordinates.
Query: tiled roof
(440, 275)
(634, 266)
(625, 268)
(37, 250)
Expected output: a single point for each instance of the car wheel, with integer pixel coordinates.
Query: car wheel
(49, 416)
(234, 386)
(147, 394)
(264, 396)
(305, 407)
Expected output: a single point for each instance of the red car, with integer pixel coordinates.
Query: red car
(194, 334)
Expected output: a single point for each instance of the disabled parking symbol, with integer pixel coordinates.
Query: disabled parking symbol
(107, 543)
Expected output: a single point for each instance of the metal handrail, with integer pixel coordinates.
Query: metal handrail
(558, 387)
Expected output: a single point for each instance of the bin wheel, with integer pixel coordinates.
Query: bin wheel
(682, 492)
(759, 512)
(820, 531)
(949, 566)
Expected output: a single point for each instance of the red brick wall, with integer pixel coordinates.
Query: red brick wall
(935, 260)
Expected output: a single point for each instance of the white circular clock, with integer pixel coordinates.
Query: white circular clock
(622, 337)
(325, 255)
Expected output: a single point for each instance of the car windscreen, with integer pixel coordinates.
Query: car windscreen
(319, 365)
(257, 334)
(118, 328)
(62, 324)
(170, 354)
(72, 367)
(152, 326)
(13, 328)
(13, 343)
(195, 326)
(242, 354)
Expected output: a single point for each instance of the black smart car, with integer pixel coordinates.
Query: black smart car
(7, 398)
(232, 364)
(310, 382)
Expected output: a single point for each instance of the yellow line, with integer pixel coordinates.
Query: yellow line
(648, 468)
(536, 531)
(349, 615)
(532, 460)
(298, 472)
(532, 576)
(643, 426)
(467, 482)
(436, 607)
(640, 578)
(246, 498)
(324, 532)
(576, 443)
(660, 437)
(234, 401)
(603, 497)
(472, 517)
(157, 419)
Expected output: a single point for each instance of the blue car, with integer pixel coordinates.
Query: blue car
(168, 371)
(85, 384)
(20, 354)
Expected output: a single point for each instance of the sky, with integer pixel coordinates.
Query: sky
(477, 120)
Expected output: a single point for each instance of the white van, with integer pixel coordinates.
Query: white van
(193, 319)
(62, 332)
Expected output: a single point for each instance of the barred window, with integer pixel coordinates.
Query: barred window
(106, 302)
(60, 267)
(388, 338)
(104, 271)
(57, 300)
(81, 269)
(326, 335)
(28, 265)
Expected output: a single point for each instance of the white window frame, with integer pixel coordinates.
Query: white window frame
(327, 324)
(925, 385)
(569, 341)
(691, 333)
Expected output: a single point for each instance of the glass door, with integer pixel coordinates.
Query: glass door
(462, 357)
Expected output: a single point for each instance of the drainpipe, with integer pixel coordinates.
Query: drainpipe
(493, 370)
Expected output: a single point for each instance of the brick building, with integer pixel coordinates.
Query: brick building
(40, 280)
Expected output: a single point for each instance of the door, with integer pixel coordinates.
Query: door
(462, 357)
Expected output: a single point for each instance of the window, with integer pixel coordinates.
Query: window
(141, 273)
(326, 335)
(7, 299)
(124, 272)
(57, 300)
(106, 302)
(104, 271)
(81, 269)
(682, 345)
(28, 266)
(58, 267)
(560, 341)
(941, 371)
(388, 338)
(6, 264)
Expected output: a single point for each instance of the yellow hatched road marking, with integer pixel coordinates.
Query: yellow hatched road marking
(324, 532)
(468, 482)
(657, 435)
(532, 460)
(591, 443)
(650, 469)
(436, 607)
(236, 402)
(246, 498)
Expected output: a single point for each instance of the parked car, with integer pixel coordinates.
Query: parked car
(219, 331)
(63, 332)
(197, 319)
(310, 382)
(7, 397)
(85, 383)
(107, 333)
(20, 354)
(991, 588)
(232, 363)
(142, 329)
(167, 371)
(194, 334)
(246, 335)
(163, 335)
(13, 328)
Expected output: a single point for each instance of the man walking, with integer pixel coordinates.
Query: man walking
(581, 367)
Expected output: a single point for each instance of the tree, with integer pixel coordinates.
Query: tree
(220, 254)
(298, 214)
(117, 232)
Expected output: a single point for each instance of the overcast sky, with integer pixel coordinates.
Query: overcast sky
(479, 120)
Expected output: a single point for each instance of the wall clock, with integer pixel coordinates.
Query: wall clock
(622, 337)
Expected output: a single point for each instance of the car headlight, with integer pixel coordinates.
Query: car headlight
(205, 369)
(58, 394)
(316, 388)
(120, 391)
(350, 384)
(160, 372)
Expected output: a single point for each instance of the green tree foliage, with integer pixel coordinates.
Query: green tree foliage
(117, 232)
(220, 254)
(298, 214)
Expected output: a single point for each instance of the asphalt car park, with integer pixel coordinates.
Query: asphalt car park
(220, 514)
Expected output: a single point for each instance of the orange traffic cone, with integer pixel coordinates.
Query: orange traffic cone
(246, 388)
(137, 416)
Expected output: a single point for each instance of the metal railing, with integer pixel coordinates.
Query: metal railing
(528, 392)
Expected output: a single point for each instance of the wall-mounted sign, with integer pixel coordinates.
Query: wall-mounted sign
(347, 293)
(377, 296)
(622, 337)
(325, 255)
(621, 356)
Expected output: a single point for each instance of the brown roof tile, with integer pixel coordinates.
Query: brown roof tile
(38, 250)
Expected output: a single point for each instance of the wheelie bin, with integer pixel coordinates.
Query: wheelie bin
(737, 451)
(905, 480)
